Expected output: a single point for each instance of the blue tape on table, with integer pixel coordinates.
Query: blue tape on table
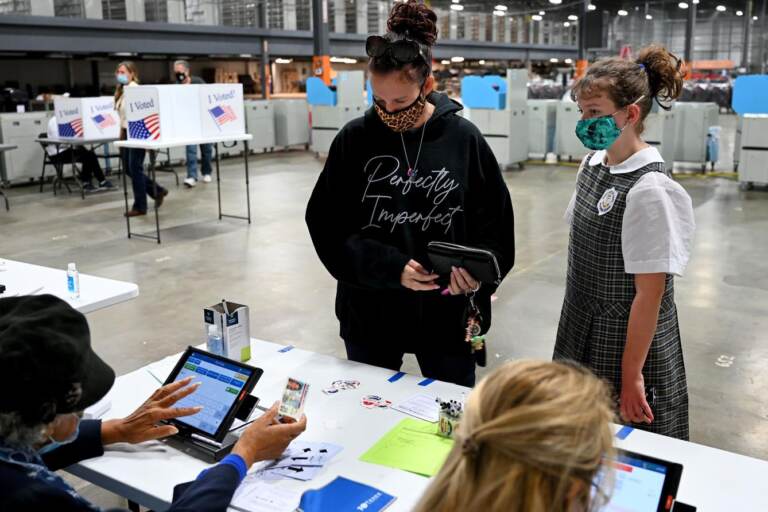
(426, 382)
(286, 349)
(624, 432)
(396, 377)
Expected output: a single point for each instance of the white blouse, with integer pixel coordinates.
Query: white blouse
(658, 224)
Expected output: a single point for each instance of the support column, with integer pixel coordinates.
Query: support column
(321, 60)
(264, 69)
(690, 24)
(747, 35)
(581, 58)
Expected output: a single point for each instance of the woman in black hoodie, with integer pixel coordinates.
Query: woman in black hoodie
(409, 172)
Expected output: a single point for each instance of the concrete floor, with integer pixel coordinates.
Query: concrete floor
(271, 266)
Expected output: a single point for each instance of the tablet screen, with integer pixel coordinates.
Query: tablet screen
(641, 483)
(220, 383)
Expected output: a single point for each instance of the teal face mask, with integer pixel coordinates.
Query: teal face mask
(122, 79)
(53, 444)
(600, 132)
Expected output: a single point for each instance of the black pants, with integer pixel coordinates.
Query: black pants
(143, 186)
(456, 368)
(87, 158)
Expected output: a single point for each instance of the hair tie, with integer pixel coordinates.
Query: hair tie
(469, 447)
(642, 66)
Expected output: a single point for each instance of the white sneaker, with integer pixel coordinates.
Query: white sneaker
(190, 182)
(207, 178)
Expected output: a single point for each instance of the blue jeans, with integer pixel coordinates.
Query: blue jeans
(133, 162)
(206, 150)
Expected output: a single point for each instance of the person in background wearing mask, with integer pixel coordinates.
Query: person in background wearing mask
(631, 231)
(532, 439)
(51, 375)
(133, 158)
(90, 162)
(183, 76)
(411, 171)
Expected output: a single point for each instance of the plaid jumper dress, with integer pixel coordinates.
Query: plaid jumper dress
(599, 296)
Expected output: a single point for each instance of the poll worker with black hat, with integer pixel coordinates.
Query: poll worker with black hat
(50, 375)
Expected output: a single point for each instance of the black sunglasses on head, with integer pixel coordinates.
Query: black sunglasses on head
(404, 51)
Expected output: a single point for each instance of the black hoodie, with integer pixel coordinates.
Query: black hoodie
(368, 218)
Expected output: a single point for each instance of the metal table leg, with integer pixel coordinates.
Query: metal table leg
(247, 187)
(124, 155)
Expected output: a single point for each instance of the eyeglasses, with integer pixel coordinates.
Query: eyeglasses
(404, 51)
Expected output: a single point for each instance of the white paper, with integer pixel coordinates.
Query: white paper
(420, 406)
(256, 495)
(99, 409)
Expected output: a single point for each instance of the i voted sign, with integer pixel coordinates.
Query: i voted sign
(221, 108)
(142, 111)
(100, 118)
(68, 117)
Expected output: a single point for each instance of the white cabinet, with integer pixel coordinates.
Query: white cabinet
(260, 122)
(25, 162)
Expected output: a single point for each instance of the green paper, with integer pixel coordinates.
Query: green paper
(413, 445)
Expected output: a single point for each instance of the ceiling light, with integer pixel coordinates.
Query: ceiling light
(554, 60)
(556, 2)
(739, 13)
(682, 5)
(568, 61)
(542, 13)
(648, 17)
(481, 62)
(445, 62)
(499, 13)
(720, 8)
(455, 1)
(695, 2)
(501, 7)
(622, 12)
(566, 23)
(283, 61)
(457, 7)
(573, 17)
(755, 18)
(457, 59)
(536, 17)
(591, 7)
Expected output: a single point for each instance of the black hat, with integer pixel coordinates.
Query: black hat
(48, 366)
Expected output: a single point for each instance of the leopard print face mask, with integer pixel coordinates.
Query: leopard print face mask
(404, 119)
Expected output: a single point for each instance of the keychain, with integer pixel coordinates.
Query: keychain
(473, 331)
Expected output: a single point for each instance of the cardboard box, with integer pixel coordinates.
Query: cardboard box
(87, 118)
(222, 110)
(234, 327)
(163, 112)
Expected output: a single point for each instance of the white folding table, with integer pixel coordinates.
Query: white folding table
(158, 145)
(713, 480)
(95, 292)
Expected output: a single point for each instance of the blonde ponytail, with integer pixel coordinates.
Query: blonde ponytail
(531, 440)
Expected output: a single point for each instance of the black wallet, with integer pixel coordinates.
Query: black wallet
(481, 263)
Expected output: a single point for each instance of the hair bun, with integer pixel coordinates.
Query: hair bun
(414, 20)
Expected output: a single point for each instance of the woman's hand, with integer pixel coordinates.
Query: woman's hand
(462, 282)
(633, 405)
(144, 424)
(266, 439)
(415, 277)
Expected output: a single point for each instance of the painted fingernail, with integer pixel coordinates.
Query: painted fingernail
(445, 292)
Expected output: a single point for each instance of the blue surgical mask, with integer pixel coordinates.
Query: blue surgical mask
(122, 79)
(54, 444)
(600, 132)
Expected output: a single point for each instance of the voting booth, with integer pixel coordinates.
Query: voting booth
(87, 118)
(333, 107)
(166, 113)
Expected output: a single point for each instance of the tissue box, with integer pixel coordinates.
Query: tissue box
(221, 109)
(234, 328)
(163, 112)
(87, 118)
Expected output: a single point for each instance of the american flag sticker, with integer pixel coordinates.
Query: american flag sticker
(104, 121)
(147, 128)
(222, 114)
(72, 129)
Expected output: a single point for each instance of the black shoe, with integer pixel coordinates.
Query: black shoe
(134, 213)
(88, 188)
(160, 198)
(106, 185)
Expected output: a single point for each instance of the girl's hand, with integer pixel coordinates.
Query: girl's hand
(633, 404)
(462, 282)
(415, 277)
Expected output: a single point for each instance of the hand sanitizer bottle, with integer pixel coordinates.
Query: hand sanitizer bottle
(73, 281)
(215, 344)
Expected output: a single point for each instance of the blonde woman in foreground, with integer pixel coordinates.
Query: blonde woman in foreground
(532, 440)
